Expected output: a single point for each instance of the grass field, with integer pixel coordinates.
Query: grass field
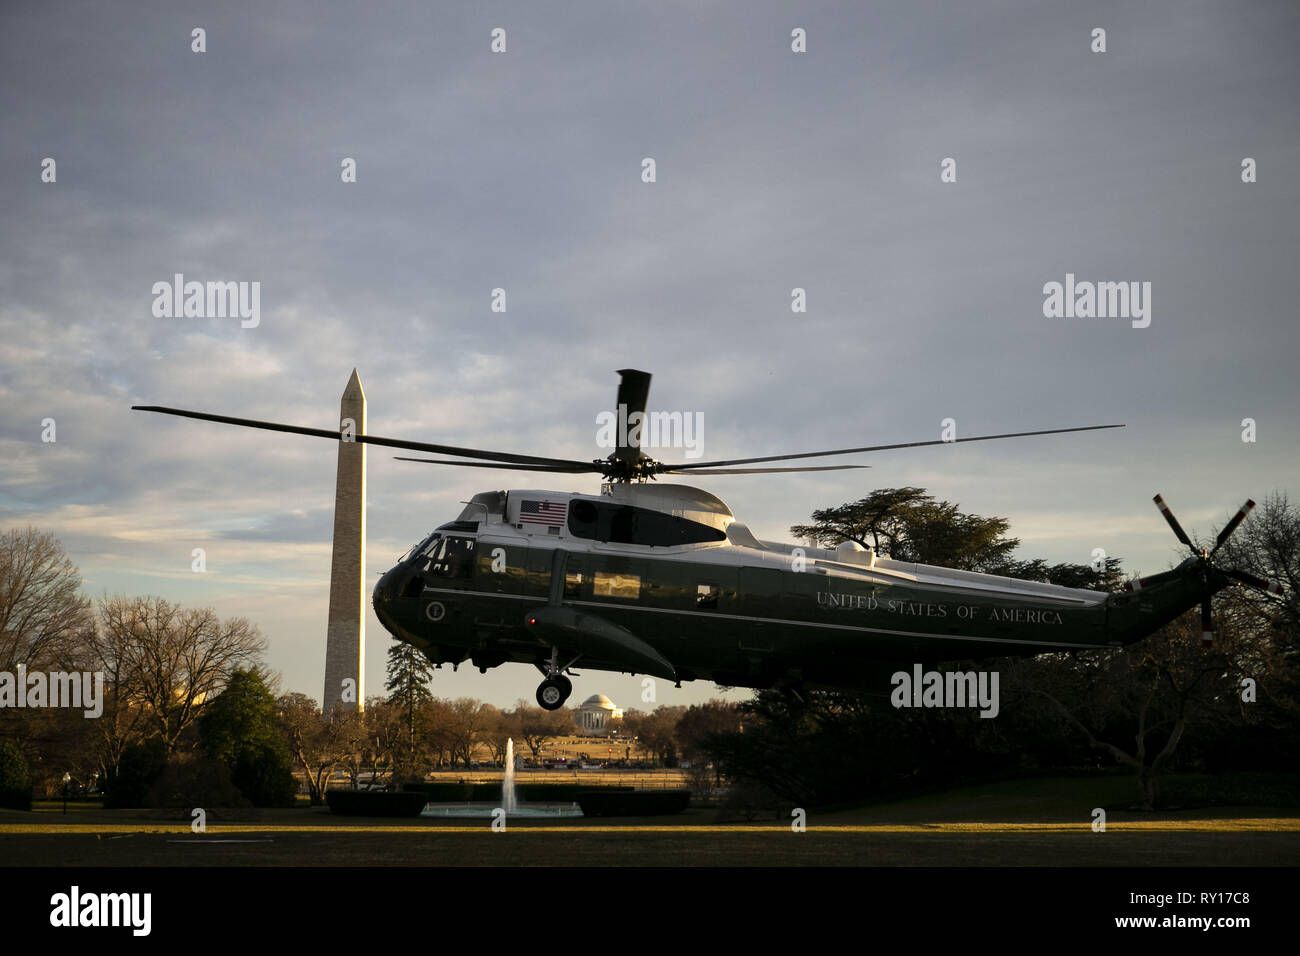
(1042, 822)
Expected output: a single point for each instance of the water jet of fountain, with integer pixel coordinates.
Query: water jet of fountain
(508, 800)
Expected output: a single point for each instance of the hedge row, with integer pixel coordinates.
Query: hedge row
(636, 803)
(375, 803)
(447, 792)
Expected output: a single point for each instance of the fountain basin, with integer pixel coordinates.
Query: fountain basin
(487, 810)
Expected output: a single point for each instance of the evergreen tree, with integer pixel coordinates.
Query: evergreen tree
(15, 778)
(909, 525)
(239, 728)
(409, 674)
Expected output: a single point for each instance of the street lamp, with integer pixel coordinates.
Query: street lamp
(67, 779)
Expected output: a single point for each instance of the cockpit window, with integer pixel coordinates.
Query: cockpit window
(421, 547)
(452, 557)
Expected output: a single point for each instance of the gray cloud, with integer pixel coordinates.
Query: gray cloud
(521, 171)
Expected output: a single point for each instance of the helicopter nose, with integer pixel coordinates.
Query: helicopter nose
(386, 589)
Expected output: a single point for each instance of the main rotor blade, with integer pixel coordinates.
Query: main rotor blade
(568, 469)
(850, 451)
(1231, 526)
(371, 439)
(1173, 523)
(633, 393)
(761, 471)
(1259, 583)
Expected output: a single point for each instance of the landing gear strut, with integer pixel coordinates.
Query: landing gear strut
(555, 690)
(792, 693)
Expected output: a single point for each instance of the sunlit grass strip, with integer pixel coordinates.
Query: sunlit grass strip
(1233, 825)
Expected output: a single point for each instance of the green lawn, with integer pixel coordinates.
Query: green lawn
(1034, 822)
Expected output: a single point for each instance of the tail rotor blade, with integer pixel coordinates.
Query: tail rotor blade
(1231, 526)
(1173, 523)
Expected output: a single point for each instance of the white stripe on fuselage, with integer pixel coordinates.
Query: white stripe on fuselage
(541, 601)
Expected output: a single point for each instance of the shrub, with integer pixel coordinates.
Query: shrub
(15, 779)
(264, 776)
(137, 771)
(190, 781)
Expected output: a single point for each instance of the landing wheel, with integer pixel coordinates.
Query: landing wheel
(553, 692)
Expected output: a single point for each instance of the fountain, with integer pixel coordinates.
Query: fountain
(509, 800)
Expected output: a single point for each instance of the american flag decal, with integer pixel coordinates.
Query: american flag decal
(549, 513)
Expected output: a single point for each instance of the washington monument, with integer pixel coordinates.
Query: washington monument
(345, 638)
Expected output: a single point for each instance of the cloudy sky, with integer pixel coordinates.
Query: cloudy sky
(522, 170)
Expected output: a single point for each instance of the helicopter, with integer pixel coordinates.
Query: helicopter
(663, 580)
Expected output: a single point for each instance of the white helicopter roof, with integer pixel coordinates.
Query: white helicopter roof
(682, 501)
(695, 504)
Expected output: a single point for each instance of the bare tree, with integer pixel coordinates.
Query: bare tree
(388, 741)
(353, 741)
(314, 740)
(364, 740)
(698, 725)
(497, 729)
(656, 732)
(42, 612)
(122, 720)
(435, 721)
(168, 660)
(1267, 546)
(468, 724)
(1148, 693)
(536, 726)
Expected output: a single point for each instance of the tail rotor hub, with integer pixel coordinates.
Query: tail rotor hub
(1206, 559)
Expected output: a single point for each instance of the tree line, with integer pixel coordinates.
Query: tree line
(1162, 704)
(190, 716)
(189, 708)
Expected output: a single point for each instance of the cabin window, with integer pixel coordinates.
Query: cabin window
(605, 584)
(573, 584)
(625, 524)
(706, 597)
